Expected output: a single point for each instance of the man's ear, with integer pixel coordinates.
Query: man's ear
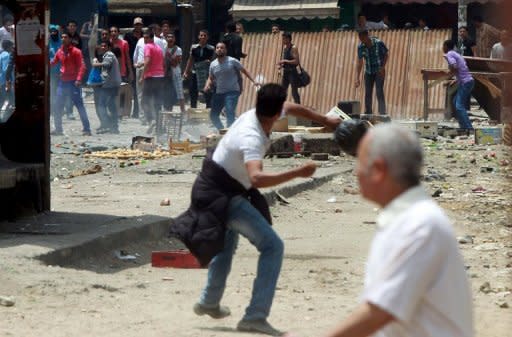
(380, 170)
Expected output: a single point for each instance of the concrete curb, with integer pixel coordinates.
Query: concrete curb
(155, 230)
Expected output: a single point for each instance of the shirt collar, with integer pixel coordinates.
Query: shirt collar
(401, 203)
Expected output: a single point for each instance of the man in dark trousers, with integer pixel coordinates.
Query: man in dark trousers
(375, 55)
(226, 203)
(198, 64)
(289, 62)
(132, 38)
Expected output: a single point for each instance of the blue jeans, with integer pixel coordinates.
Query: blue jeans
(69, 89)
(229, 100)
(107, 98)
(371, 80)
(461, 97)
(244, 219)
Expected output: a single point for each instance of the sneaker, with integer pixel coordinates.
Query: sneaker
(71, 117)
(216, 312)
(258, 325)
(114, 131)
(56, 133)
(100, 131)
(86, 133)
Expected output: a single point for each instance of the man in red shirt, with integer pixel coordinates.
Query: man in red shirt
(124, 61)
(72, 71)
(153, 77)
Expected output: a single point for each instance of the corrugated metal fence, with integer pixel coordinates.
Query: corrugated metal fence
(331, 59)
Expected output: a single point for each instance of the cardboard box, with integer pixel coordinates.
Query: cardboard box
(196, 114)
(425, 129)
(488, 135)
(210, 141)
(174, 258)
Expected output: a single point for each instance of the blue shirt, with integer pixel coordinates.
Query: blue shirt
(5, 58)
(373, 56)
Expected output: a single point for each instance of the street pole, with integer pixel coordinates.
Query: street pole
(463, 13)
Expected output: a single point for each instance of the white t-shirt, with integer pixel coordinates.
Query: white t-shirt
(245, 141)
(161, 43)
(416, 273)
(138, 54)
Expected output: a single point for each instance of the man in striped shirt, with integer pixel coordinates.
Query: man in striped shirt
(375, 55)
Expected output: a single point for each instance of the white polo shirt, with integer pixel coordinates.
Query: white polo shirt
(415, 271)
(245, 141)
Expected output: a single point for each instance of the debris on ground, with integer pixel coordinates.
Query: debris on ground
(123, 255)
(466, 239)
(126, 154)
(7, 301)
(92, 170)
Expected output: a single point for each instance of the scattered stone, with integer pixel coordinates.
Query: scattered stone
(165, 202)
(320, 156)
(502, 304)
(338, 210)
(123, 255)
(437, 193)
(6, 301)
(281, 199)
(433, 175)
(105, 287)
(465, 239)
(349, 190)
(486, 288)
(488, 247)
(485, 169)
(478, 189)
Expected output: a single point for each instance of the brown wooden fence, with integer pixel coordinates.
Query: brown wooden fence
(331, 58)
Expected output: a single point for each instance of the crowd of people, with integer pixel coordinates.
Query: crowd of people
(129, 78)
(148, 61)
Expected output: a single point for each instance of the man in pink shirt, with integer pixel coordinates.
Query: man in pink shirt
(125, 62)
(72, 70)
(153, 78)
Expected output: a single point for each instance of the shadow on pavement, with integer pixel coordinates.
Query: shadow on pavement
(96, 242)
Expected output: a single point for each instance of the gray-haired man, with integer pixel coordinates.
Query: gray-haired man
(415, 283)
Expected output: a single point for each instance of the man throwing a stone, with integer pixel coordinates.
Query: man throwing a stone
(226, 203)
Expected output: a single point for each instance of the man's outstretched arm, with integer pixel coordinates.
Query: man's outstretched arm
(260, 179)
(301, 111)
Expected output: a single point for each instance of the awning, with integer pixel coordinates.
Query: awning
(437, 2)
(284, 9)
(141, 7)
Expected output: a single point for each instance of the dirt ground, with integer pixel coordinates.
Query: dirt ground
(325, 250)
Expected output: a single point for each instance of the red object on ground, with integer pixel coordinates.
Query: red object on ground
(174, 258)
